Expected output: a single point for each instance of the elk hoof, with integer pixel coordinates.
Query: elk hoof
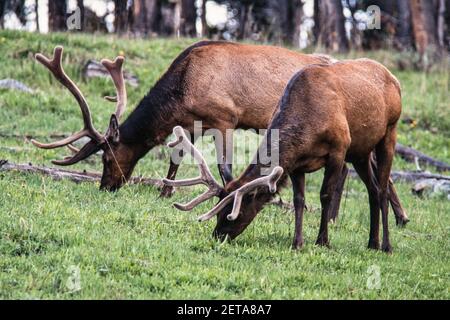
(167, 192)
(374, 245)
(387, 248)
(323, 242)
(297, 245)
(402, 221)
(332, 218)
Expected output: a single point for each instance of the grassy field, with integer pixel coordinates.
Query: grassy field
(67, 241)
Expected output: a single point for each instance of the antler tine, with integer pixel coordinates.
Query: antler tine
(115, 70)
(73, 148)
(55, 67)
(195, 202)
(214, 211)
(270, 181)
(205, 177)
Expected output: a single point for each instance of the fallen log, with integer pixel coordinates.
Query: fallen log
(432, 187)
(413, 155)
(30, 136)
(84, 176)
(12, 84)
(415, 176)
(75, 176)
(409, 176)
(15, 149)
(94, 69)
(406, 153)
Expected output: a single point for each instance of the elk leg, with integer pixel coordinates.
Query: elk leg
(167, 191)
(335, 204)
(333, 170)
(298, 187)
(401, 217)
(385, 154)
(364, 171)
(225, 171)
(224, 150)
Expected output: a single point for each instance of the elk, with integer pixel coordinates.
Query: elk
(222, 84)
(329, 114)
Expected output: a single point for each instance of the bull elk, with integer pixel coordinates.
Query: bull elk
(224, 85)
(328, 115)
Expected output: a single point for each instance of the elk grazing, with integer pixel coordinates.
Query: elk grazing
(222, 84)
(328, 115)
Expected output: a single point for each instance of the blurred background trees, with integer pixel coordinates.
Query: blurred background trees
(420, 26)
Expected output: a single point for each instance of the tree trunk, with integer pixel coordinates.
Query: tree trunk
(57, 15)
(316, 17)
(447, 24)
(425, 31)
(244, 17)
(165, 23)
(19, 8)
(331, 29)
(403, 33)
(424, 26)
(36, 11)
(291, 27)
(144, 13)
(16, 6)
(441, 29)
(80, 4)
(2, 13)
(375, 38)
(188, 18)
(120, 16)
(205, 28)
(176, 16)
(138, 23)
(93, 23)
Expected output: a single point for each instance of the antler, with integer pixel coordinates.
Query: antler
(270, 181)
(55, 67)
(206, 177)
(115, 70)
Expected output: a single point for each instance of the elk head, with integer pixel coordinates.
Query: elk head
(115, 153)
(239, 203)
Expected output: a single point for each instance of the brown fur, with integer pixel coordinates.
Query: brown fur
(330, 114)
(218, 83)
(226, 86)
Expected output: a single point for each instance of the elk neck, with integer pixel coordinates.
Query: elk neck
(152, 121)
(259, 168)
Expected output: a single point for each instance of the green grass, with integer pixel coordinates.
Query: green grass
(132, 244)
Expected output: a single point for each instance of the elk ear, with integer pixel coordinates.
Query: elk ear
(113, 130)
